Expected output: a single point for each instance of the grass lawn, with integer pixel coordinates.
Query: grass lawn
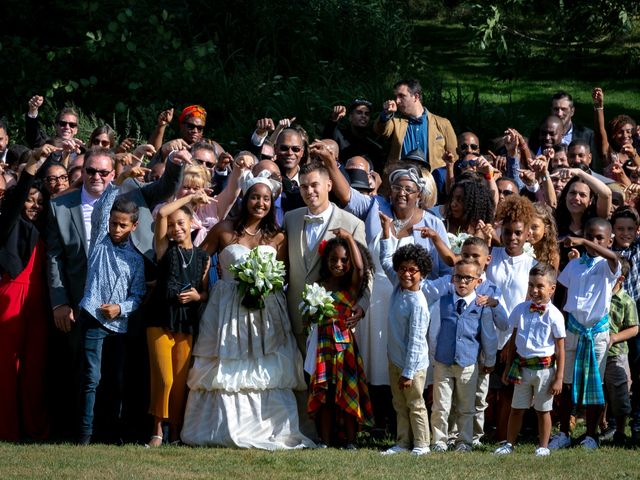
(102, 461)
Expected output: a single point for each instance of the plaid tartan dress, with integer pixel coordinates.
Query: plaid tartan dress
(338, 363)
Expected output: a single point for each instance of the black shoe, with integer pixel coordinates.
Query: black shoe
(84, 440)
(620, 439)
(607, 434)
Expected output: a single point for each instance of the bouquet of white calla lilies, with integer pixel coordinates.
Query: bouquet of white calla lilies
(456, 241)
(258, 275)
(528, 249)
(317, 303)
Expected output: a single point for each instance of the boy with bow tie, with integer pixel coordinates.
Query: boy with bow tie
(536, 356)
(589, 280)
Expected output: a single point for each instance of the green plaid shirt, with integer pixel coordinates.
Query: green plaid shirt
(623, 314)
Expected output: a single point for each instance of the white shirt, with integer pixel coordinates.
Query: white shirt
(468, 300)
(589, 290)
(511, 276)
(314, 231)
(87, 201)
(536, 334)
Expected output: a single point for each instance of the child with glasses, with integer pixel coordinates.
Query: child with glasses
(407, 348)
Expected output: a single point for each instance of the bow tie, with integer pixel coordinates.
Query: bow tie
(587, 260)
(312, 219)
(533, 308)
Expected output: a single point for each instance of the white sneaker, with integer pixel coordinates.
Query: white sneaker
(505, 449)
(395, 449)
(476, 443)
(439, 447)
(589, 443)
(542, 452)
(463, 447)
(420, 451)
(559, 440)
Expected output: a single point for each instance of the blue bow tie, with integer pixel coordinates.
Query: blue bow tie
(312, 219)
(587, 260)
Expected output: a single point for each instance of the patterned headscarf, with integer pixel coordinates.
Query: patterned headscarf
(193, 111)
(412, 174)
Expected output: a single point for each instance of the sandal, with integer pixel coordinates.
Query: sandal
(155, 441)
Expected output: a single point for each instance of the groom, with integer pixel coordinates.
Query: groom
(306, 227)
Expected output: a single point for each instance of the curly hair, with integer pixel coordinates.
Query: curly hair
(478, 202)
(345, 283)
(515, 209)
(563, 217)
(547, 248)
(268, 225)
(618, 122)
(416, 254)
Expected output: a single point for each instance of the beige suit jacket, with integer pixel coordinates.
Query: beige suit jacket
(304, 265)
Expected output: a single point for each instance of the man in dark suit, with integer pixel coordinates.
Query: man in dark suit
(68, 231)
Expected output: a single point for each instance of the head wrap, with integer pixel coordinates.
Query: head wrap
(248, 181)
(412, 174)
(193, 111)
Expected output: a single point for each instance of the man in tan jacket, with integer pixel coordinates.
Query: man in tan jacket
(414, 127)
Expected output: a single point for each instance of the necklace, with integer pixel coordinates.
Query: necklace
(185, 264)
(400, 224)
(244, 229)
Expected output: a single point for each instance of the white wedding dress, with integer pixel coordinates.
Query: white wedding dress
(246, 366)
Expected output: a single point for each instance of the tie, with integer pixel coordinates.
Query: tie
(312, 219)
(587, 260)
(533, 308)
(460, 305)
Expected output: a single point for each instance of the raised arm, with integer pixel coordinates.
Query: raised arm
(357, 263)
(599, 129)
(228, 196)
(340, 187)
(164, 119)
(386, 249)
(603, 205)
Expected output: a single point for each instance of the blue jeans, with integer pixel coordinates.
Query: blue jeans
(93, 337)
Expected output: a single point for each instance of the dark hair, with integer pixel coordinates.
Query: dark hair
(478, 202)
(268, 224)
(367, 261)
(598, 222)
(416, 254)
(511, 181)
(476, 242)
(625, 266)
(99, 131)
(3, 125)
(624, 211)
(578, 142)
(563, 217)
(124, 205)
(618, 122)
(562, 94)
(313, 167)
(470, 261)
(186, 209)
(542, 269)
(99, 152)
(560, 147)
(413, 86)
(204, 146)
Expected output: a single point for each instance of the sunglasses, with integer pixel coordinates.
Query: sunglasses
(469, 146)
(62, 123)
(102, 143)
(193, 126)
(54, 179)
(409, 270)
(294, 148)
(400, 188)
(208, 164)
(463, 278)
(92, 171)
(467, 163)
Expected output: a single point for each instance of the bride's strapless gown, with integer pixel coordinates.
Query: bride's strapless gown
(246, 366)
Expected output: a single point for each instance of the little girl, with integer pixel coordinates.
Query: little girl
(543, 235)
(181, 288)
(338, 393)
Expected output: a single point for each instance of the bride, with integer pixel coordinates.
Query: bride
(246, 363)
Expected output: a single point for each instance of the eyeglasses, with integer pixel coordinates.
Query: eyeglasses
(467, 163)
(469, 146)
(209, 164)
(294, 148)
(92, 171)
(102, 143)
(505, 193)
(264, 156)
(193, 126)
(464, 278)
(401, 188)
(53, 179)
(409, 270)
(62, 123)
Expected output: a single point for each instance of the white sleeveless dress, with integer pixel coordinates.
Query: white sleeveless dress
(246, 366)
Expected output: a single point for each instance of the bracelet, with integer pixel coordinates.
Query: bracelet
(598, 108)
(488, 176)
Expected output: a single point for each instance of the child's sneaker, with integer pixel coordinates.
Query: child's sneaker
(395, 449)
(559, 440)
(589, 443)
(439, 447)
(505, 449)
(542, 452)
(420, 451)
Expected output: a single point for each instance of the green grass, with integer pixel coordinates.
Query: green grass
(102, 461)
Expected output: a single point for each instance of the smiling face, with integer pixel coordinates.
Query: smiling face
(404, 193)
(514, 235)
(120, 226)
(477, 253)
(536, 230)
(101, 140)
(258, 200)
(578, 198)
(97, 173)
(600, 235)
(409, 276)
(33, 205)
(550, 133)
(289, 150)
(540, 289)
(314, 189)
(359, 116)
(456, 203)
(579, 155)
(563, 109)
(56, 179)
(179, 226)
(625, 231)
(338, 261)
(623, 134)
(67, 126)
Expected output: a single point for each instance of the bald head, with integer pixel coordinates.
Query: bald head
(268, 165)
(332, 146)
(550, 132)
(360, 163)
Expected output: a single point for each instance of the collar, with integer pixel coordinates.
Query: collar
(418, 120)
(469, 299)
(325, 215)
(619, 292)
(86, 198)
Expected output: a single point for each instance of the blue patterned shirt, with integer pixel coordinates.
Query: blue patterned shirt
(115, 272)
(632, 282)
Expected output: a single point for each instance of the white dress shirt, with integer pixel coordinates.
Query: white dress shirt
(88, 201)
(315, 230)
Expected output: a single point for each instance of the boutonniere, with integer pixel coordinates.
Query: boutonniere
(321, 247)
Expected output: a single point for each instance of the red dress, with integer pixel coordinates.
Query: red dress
(23, 339)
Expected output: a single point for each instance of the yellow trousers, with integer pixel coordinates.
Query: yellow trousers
(169, 355)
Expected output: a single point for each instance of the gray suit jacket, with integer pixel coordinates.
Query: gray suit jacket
(66, 238)
(302, 272)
